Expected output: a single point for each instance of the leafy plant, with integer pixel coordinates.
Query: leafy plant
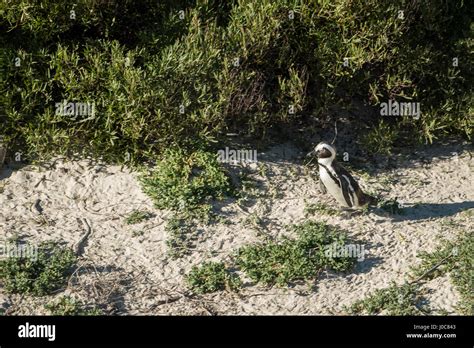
(186, 183)
(294, 259)
(211, 277)
(381, 138)
(396, 299)
(453, 258)
(391, 206)
(159, 76)
(69, 306)
(183, 181)
(41, 275)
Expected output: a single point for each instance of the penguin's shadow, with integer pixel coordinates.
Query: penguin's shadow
(364, 265)
(368, 261)
(423, 211)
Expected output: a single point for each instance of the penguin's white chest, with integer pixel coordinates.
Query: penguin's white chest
(332, 187)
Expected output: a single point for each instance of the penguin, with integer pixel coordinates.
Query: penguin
(336, 180)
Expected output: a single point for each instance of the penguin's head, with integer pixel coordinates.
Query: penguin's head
(324, 151)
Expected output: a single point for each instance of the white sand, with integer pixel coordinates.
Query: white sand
(134, 274)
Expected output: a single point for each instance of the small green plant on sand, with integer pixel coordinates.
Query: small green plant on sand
(396, 299)
(294, 259)
(451, 257)
(211, 277)
(40, 275)
(138, 216)
(312, 208)
(183, 181)
(67, 305)
(391, 206)
(181, 231)
(186, 182)
(138, 233)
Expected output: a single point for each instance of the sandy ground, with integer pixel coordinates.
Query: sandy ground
(134, 274)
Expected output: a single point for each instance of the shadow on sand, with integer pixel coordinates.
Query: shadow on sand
(425, 211)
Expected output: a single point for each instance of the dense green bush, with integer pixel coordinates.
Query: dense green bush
(161, 77)
(211, 277)
(182, 181)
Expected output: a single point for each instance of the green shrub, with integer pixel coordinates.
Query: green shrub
(40, 25)
(183, 181)
(158, 80)
(211, 277)
(67, 305)
(41, 275)
(186, 182)
(381, 138)
(294, 259)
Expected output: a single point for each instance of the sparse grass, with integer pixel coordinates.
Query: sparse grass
(451, 257)
(396, 299)
(211, 277)
(294, 259)
(248, 190)
(311, 208)
(385, 179)
(41, 276)
(454, 258)
(449, 222)
(181, 232)
(469, 213)
(138, 216)
(68, 306)
(253, 220)
(138, 233)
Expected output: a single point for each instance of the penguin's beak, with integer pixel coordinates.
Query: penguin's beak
(311, 154)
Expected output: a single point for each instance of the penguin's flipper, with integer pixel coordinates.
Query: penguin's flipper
(347, 190)
(322, 187)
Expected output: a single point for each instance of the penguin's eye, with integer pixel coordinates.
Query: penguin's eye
(324, 153)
